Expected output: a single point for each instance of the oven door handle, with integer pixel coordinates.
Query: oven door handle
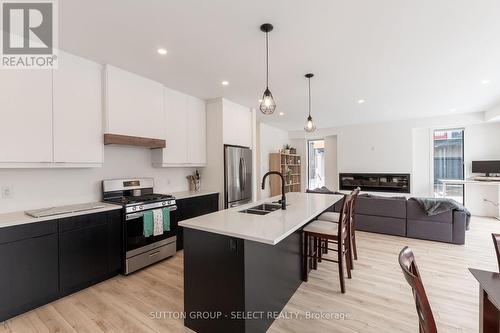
(137, 215)
(134, 216)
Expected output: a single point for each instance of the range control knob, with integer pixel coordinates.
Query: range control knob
(133, 208)
(163, 203)
(140, 207)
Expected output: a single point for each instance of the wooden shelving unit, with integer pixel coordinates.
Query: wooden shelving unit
(290, 166)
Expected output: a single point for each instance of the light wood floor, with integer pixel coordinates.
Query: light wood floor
(377, 300)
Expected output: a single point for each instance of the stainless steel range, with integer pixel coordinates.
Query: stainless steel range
(137, 197)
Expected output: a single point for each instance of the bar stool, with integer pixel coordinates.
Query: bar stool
(320, 234)
(334, 217)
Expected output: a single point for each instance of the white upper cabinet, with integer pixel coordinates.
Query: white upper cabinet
(26, 113)
(185, 131)
(176, 125)
(196, 131)
(237, 124)
(52, 118)
(78, 135)
(134, 105)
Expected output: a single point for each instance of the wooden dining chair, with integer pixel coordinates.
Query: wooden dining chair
(334, 217)
(410, 271)
(496, 243)
(352, 225)
(322, 233)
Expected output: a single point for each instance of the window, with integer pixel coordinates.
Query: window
(449, 162)
(316, 163)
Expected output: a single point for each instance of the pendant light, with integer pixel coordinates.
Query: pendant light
(309, 127)
(267, 105)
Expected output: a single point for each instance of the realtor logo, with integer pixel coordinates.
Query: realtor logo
(28, 34)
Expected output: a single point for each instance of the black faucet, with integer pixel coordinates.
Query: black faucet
(283, 198)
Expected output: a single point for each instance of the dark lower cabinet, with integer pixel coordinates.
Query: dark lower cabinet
(29, 261)
(43, 261)
(188, 208)
(115, 241)
(89, 250)
(240, 285)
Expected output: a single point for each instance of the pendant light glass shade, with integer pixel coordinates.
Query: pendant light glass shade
(268, 105)
(310, 126)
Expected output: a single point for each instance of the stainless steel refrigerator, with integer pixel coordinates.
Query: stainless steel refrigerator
(237, 176)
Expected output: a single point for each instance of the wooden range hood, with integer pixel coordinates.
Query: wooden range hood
(136, 141)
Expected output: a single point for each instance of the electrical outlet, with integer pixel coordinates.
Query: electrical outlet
(6, 192)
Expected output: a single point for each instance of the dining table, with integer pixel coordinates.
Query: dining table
(489, 300)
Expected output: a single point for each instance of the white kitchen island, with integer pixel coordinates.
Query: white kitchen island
(241, 269)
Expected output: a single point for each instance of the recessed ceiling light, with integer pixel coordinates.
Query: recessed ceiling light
(162, 51)
(361, 101)
(486, 82)
(225, 83)
(260, 100)
(282, 113)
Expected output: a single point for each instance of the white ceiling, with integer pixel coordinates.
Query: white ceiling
(407, 59)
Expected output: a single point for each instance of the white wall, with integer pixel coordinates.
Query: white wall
(227, 123)
(39, 188)
(215, 151)
(361, 148)
(331, 157)
(331, 167)
(271, 140)
(421, 183)
(370, 147)
(383, 147)
(373, 148)
(482, 142)
(237, 124)
(405, 146)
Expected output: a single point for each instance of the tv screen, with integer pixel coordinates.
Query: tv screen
(485, 166)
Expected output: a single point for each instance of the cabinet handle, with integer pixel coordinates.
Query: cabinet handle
(154, 253)
(44, 235)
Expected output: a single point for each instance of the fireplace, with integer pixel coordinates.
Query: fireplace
(376, 182)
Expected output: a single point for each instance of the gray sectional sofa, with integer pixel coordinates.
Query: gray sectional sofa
(404, 217)
(446, 227)
(401, 217)
(382, 215)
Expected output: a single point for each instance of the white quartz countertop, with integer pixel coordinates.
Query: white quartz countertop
(192, 194)
(18, 218)
(271, 228)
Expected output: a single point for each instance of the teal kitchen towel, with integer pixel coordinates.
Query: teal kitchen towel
(148, 223)
(166, 219)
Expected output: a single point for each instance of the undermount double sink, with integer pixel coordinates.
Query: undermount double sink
(262, 209)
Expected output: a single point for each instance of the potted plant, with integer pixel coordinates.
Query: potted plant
(287, 149)
(289, 174)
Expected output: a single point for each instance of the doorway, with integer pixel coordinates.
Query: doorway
(315, 164)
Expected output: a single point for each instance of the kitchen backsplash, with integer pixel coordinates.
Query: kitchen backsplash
(38, 188)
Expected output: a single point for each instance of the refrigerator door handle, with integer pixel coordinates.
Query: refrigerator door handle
(244, 163)
(241, 174)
